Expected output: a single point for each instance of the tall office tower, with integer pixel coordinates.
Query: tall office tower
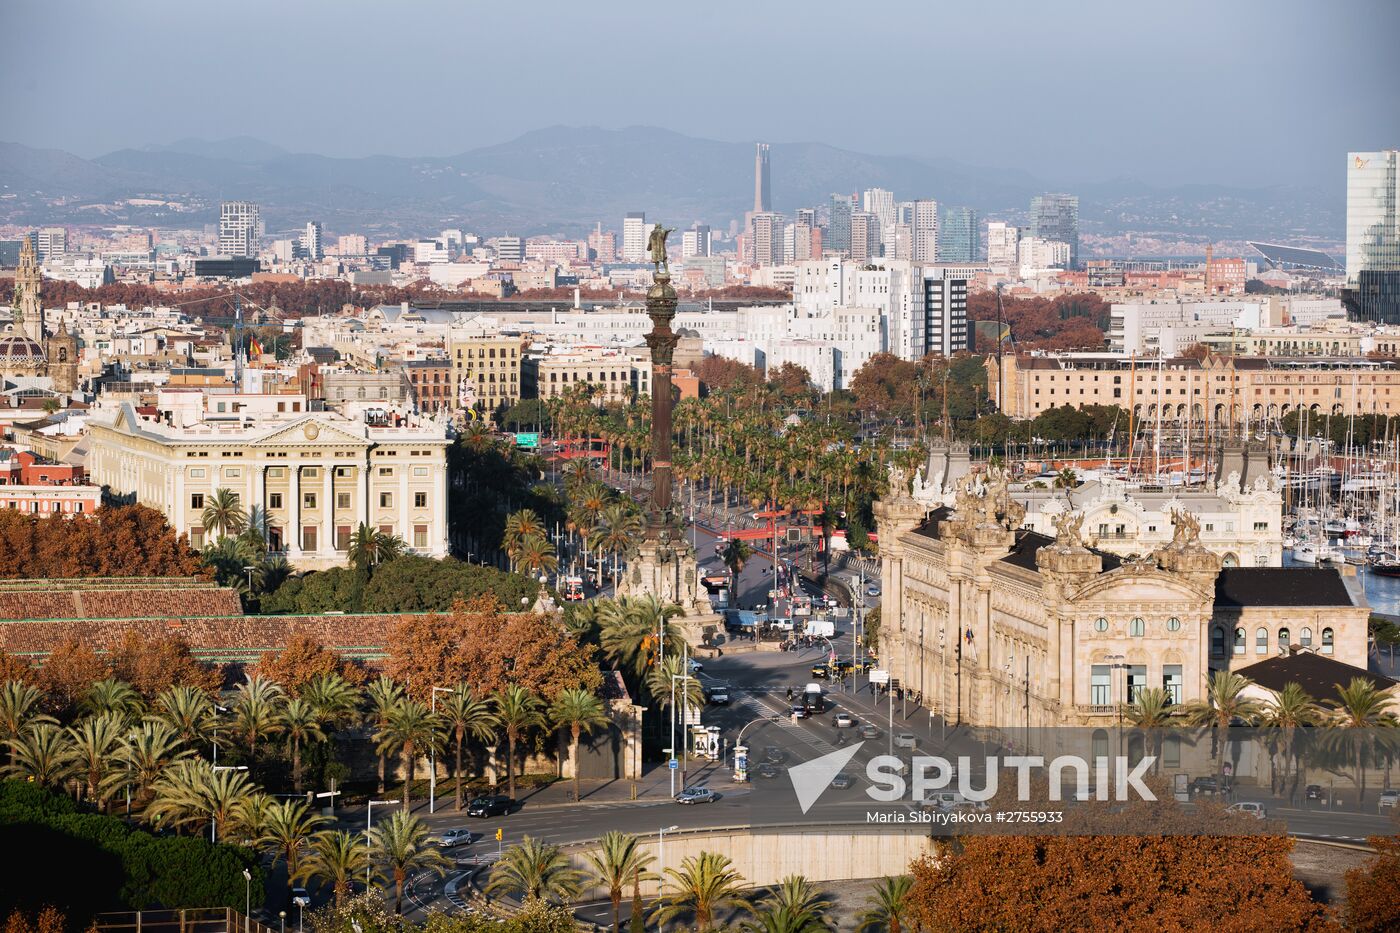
(240, 226)
(1002, 241)
(898, 241)
(925, 224)
(945, 315)
(838, 237)
(957, 241)
(806, 215)
(806, 237)
(880, 202)
(767, 238)
(602, 244)
(510, 248)
(352, 244)
(762, 193)
(51, 243)
(695, 241)
(634, 237)
(1373, 237)
(1056, 217)
(311, 241)
(904, 212)
(865, 236)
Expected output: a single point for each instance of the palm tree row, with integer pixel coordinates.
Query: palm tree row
(1362, 728)
(695, 894)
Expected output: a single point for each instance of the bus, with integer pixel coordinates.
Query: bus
(573, 589)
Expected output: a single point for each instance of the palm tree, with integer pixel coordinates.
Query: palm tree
(1360, 709)
(192, 791)
(335, 857)
(411, 729)
(794, 906)
(579, 711)
(187, 711)
(20, 709)
(1293, 707)
(400, 845)
(383, 695)
(535, 870)
(1224, 705)
(517, 709)
(145, 754)
(736, 554)
(229, 559)
(618, 862)
(42, 754)
(288, 827)
(701, 886)
(465, 715)
(113, 696)
(332, 698)
(222, 513)
(300, 723)
(521, 525)
(534, 555)
(621, 528)
(1067, 480)
(888, 905)
(1151, 711)
(666, 677)
(631, 627)
(255, 710)
(94, 742)
(370, 547)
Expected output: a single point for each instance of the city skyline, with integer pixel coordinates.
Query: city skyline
(1348, 109)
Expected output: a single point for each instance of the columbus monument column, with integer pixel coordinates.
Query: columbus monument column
(663, 562)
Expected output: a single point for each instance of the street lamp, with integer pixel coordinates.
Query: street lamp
(247, 897)
(432, 756)
(369, 822)
(212, 824)
(282, 918)
(217, 710)
(661, 855)
(248, 569)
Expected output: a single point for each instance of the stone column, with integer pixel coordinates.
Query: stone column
(293, 541)
(362, 494)
(327, 541)
(179, 506)
(260, 492)
(405, 528)
(439, 505)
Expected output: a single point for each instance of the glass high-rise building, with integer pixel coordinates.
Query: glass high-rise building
(838, 238)
(959, 236)
(1373, 236)
(1056, 217)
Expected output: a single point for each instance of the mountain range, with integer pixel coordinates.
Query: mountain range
(564, 179)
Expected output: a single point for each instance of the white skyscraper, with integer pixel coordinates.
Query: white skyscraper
(1002, 240)
(311, 240)
(695, 241)
(240, 227)
(880, 202)
(925, 230)
(52, 242)
(635, 231)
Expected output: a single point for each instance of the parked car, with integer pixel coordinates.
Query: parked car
(868, 731)
(905, 740)
(773, 754)
(452, 837)
(842, 781)
(1389, 799)
(490, 805)
(1206, 784)
(695, 666)
(843, 721)
(1315, 792)
(1255, 810)
(697, 795)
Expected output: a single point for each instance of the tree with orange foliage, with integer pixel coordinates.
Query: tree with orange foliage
(1373, 890)
(15, 668)
(115, 541)
(303, 659)
(720, 372)
(481, 644)
(48, 920)
(69, 670)
(1125, 882)
(151, 664)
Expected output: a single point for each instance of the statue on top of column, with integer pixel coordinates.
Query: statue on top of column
(656, 246)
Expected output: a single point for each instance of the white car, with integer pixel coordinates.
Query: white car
(843, 721)
(300, 898)
(695, 666)
(1255, 810)
(1389, 799)
(452, 837)
(905, 740)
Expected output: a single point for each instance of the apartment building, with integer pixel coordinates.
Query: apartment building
(615, 375)
(486, 369)
(431, 382)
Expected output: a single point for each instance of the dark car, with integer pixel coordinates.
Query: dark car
(844, 668)
(1315, 792)
(773, 754)
(1205, 784)
(490, 805)
(768, 770)
(798, 711)
(842, 781)
(821, 671)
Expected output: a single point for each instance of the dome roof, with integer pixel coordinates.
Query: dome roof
(19, 349)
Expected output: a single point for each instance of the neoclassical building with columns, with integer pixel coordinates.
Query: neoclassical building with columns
(315, 477)
(997, 625)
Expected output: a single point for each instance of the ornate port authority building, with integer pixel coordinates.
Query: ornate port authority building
(997, 625)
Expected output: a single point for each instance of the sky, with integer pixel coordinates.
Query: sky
(1244, 92)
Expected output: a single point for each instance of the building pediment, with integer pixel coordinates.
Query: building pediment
(310, 431)
(1130, 584)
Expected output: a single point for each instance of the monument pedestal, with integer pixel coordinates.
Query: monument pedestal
(669, 571)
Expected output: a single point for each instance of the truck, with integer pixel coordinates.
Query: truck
(813, 699)
(821, 627)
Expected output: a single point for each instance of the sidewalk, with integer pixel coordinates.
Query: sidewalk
(653, 787)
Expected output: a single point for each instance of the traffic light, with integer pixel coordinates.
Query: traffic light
(500, 834)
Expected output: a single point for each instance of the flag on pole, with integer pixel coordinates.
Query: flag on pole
(254, 347)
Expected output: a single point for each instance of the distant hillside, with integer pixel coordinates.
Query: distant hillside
(563, 179)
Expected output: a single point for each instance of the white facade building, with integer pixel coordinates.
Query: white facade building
(1003, 241)
(240, 228)
(925, 230)
(635, 231)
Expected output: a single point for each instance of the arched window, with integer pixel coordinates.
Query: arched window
(1305, 639)
(1327, 641)
(1173, 624)
(1283, 637)
(1217, 642)
(1136, 628)
(1230, 560)
(1261, 640)
(1100, 625)
(1239, 641)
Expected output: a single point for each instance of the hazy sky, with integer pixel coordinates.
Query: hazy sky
(1229, 91)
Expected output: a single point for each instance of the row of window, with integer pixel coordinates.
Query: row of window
(309, 500)
(310, 537)
(1137, 628)
(1101, 692)
(1261, 640)
(44, 506)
